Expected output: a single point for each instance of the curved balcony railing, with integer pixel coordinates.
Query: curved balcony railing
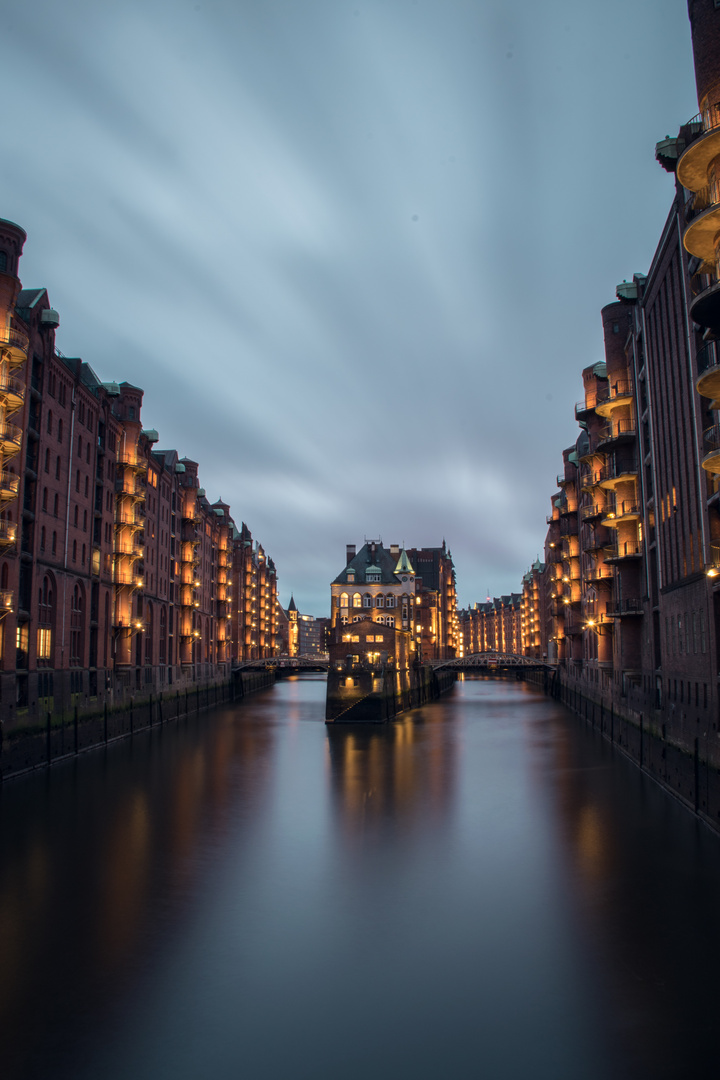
(14, 343)
(599, 574)
(9, 484)
(12, 390)
(592, 511)
(708, 357)
(130, 518)
(8, 533)
(123, 576)
(626, 549)
(618, 429)
(705, 121)
(131, 461)
(631, 605)
(620, 508)
(10, 437)
(711, 438)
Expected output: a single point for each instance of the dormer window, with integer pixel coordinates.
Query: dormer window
(351, 575)
(373, 574)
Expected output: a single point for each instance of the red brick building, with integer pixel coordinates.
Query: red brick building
(115, 570)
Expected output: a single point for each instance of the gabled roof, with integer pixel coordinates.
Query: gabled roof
(371, 555)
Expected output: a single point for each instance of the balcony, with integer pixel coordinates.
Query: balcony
(131, 461)
(708, 381)
(616, 432)
(702, 134)
(10, 438)
(590, 478)
(705, 306)
(124, 576)
(14, 345)
(615, 474)
(619, 393)
(599, 575)
(130, 548)
(629, 606)
(130, 518)
(620, 511)
(9, 484)
(628, 549)
(711, 449)
(8, 533)
(587, 513)
(583, 409)
(12, 393)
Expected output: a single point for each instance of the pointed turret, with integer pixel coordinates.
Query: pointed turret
(404, 566)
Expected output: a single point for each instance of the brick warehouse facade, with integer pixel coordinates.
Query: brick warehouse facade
(631, 579)
(116, 572)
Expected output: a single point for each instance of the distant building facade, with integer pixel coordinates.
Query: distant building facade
(117, 574)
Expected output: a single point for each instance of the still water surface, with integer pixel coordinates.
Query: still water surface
(482, 889)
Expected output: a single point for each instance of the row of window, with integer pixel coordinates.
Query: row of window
(366, 601)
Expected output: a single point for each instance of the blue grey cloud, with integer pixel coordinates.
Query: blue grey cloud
(354, 252)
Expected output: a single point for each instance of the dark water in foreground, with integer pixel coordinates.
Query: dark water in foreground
(483, 889)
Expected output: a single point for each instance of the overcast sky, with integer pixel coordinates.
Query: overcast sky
(354, 252)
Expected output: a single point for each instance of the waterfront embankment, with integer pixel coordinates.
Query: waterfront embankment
(58, 736)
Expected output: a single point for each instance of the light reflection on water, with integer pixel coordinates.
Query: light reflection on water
(481, 888)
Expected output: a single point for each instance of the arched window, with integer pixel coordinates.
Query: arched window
(49, 422)
(46, 619)
(343, 620)
(76, 626)
(44, 502)
(77, 511)
(54, 543)
(367, 600)
(42, 538)
(357, 600)
(57, 468)
(74, 550)
(357, 618)
(85, 521)
(379, 600)
(390, 620)
(47, 461)
(59, 432)
(389, 601)
(56, 505)
(343, 599)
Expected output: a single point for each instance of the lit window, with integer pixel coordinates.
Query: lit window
(357, 600)
(44, 644)
(343, 599)
(369, 637)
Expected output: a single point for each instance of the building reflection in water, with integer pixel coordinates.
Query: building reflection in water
(402, 772)
(93, 850)
(636, 861)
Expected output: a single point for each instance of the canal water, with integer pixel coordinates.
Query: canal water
(484, 888)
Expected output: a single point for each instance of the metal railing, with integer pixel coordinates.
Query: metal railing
(627, 549)
(618, 429)
(587, 512)
(632, 605)
(10, 433)
(622, 508)
(708, 357)
(12, 338)
(11, 385)
(9, 482)
(711, 438)
(705, 121)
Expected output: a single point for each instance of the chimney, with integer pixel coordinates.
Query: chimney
(395, 550)
(350, 549)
